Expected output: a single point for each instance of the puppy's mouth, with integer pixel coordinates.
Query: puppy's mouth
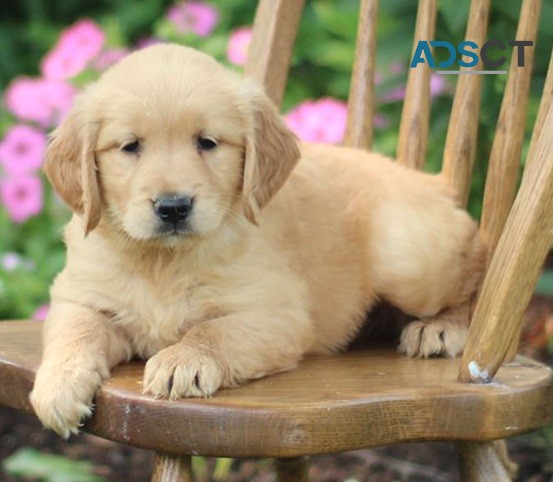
(179, 229)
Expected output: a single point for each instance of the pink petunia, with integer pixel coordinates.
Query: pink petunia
(397, 68)
(21, 196)
(197, 17)
(438, 86)
(323, 120)
(11, 261)
(381, 121)
(44, 101)
(109, 57)
(22, 149)
(147, 42)
(394, 95)
(239, 45)
(77, 46)
(41, 312)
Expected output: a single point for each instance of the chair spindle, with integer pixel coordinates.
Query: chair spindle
(503, 168)
(545, 105)
(359, 130)
(274, 33)
(460, 145)
(515, 266)
(172, 468)
(413, 130)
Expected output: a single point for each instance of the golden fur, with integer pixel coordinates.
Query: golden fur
(282, 258)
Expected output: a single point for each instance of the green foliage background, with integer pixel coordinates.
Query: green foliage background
(321, 67)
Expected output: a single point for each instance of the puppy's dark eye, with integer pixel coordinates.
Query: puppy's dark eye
(131, 147)
(206, 143)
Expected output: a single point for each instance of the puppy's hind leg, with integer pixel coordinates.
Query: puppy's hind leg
(443, 334)
(439, 289)
(446, 332)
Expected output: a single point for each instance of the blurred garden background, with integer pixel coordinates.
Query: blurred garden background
(50, 49)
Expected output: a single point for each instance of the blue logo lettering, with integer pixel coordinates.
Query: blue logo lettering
(423, 47)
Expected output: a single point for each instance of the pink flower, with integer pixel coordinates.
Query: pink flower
(381, 121)
(39, 100)
(11, 261)
(22, 149)
(397, 68)
(438, 86)
(21, 196)
(108, 58)
(193, 16)
(394, 95)
(76, 46)
(239, 45)
(41, 312)
(147, 42)
(319, 121)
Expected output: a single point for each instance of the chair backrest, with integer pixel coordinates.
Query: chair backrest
(517, 231)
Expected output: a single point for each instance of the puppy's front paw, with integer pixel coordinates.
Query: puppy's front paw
(428, 338)
(62, 398)
(182, 370)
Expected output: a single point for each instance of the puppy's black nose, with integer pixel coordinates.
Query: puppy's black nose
(173, 208)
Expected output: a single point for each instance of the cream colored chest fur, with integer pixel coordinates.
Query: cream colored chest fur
(157, 301)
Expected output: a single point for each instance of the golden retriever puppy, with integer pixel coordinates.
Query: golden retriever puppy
(208, 241)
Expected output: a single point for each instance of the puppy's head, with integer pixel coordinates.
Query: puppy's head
(169, 145)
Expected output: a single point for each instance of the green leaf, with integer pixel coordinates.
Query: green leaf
(114, 32)
(335, 54)
(545, 283)
(455, 14)
(339, 21)
(222, 470)
(512, 11)
(28, 462)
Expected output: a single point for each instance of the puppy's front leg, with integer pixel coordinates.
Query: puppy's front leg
(79, 349)
(226, 351)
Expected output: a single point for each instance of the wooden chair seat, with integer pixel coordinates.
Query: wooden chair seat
(371, 398)
(329, 404)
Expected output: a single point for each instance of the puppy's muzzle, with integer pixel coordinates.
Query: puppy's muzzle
(173, 208)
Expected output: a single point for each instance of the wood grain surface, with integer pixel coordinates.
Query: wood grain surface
(415, 117)
(172, 468)
(274, 34)
(504, 163)
(485, 462)
(545, 105)
(460, 144)
(361, 100)
(328, 404)
(515, 265)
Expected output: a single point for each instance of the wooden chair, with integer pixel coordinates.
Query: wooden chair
(374, 397)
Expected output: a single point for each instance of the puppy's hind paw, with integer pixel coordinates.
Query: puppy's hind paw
(424, 339)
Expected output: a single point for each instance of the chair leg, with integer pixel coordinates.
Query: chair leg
(172, 468)
(292, 469)
(485, 462)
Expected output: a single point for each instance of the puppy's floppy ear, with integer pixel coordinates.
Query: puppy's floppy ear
(272, 152)
(70, 166)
